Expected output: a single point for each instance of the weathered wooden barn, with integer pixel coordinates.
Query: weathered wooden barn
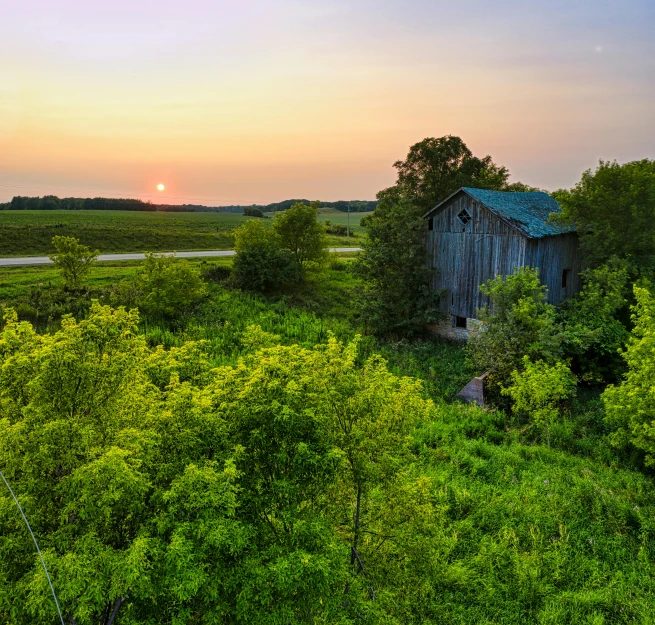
(476, 235)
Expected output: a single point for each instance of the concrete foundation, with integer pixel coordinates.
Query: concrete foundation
(449, 329)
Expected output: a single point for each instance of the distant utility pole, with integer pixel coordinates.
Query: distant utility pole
(348, 231)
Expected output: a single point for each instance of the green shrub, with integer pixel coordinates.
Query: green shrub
(261, 263)
(630, 406)
(165, 286)
(73, 260)
(251, 211)
(595, 322)
(519, 323)
(538, 392)
(338, 230)
(214, 272)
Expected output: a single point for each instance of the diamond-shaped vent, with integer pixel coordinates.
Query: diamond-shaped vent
(464, 217)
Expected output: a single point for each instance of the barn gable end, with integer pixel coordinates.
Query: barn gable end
(477, 235)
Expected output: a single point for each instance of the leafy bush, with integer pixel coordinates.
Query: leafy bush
(630, 405)
(539, 390)
(251, 211)
(165, 286)
(215, 272)
(168, 491)
(595, 322)
(338, 230)
(261, 263)
(301, 233)
(519, 323)
(73, 260)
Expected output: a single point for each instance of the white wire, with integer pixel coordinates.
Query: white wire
(45, 568)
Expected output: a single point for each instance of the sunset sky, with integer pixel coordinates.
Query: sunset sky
(258, 101)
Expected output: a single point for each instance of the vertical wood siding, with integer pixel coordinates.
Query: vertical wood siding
(552, 255)
(467, 256)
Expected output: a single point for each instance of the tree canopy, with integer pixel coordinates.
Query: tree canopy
(167, 491)
(613, 210)
(398, 298)
(436, 167)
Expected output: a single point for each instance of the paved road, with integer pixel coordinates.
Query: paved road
(44, 260)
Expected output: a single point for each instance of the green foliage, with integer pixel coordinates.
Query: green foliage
(534, 535)
(435, 168)
(397, 298)
(630, 405)
(340, 230)
(594, 322)
(215, 478)
(251, 211)
(301, 233)
(73, 260)
(261, 263)
(518, 323)
(613, 210)
(539, 390)
(165, 286)
(174, 492)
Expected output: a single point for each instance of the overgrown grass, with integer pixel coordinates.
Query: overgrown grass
(538, 535)
(532, 534)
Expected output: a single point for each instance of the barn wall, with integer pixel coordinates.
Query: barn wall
(552, 255)
(467, 256)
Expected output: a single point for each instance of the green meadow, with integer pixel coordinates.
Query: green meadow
(29, 233)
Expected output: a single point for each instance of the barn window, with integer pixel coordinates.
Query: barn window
(431, 223)
(464, 217)
(459, 322)
(565, 277)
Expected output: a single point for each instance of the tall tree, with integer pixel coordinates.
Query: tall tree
(435, 168)
(394, 264)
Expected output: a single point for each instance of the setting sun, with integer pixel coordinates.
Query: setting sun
(160, 187)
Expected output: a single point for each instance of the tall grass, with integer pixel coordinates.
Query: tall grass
(537, 535)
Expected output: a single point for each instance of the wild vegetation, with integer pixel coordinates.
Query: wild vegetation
(191, 447)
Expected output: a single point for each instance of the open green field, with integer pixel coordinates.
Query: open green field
(29, 233)
(341, 218)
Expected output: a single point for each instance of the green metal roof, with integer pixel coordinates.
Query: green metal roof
(527, 212)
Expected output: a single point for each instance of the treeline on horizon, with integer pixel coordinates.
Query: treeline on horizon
(52, 202)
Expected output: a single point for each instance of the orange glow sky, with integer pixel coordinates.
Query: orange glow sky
(243, 102)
